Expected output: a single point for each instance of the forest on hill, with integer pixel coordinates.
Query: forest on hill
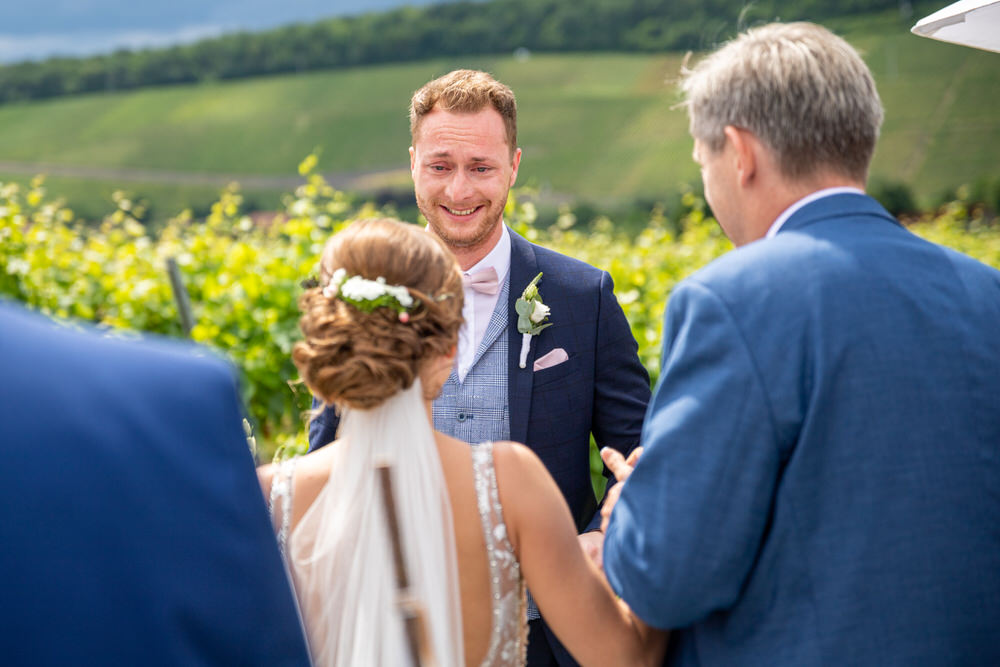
(468, 27)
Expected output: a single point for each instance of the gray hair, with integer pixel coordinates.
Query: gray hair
(800, 89)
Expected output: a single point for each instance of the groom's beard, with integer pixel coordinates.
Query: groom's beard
(457, 233)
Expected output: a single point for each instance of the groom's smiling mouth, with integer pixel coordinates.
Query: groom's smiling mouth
(461, 212)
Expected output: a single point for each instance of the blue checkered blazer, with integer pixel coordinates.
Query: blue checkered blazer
(602, 389)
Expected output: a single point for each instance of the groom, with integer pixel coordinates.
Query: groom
(580, 376)
(821, 476)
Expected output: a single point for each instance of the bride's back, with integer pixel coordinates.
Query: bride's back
(470, 546)
(312, 473)
(567, 586)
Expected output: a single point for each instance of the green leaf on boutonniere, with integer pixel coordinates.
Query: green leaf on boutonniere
(532, 313)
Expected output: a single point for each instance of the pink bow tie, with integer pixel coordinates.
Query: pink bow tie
(484, 281)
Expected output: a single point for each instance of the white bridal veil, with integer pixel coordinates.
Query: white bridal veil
(341, 551)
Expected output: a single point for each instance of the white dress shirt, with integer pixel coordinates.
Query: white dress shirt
(478, 307)
(808, 199)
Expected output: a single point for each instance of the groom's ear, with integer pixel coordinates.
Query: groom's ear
(515, 163)
(413, 161)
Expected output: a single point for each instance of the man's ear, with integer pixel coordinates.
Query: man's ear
(413, 159)
(745, 147)
(515, 163)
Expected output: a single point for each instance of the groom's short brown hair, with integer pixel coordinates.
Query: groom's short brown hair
(469, 91)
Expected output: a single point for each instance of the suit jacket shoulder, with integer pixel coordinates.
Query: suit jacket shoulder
(568, 274)
(131, 458)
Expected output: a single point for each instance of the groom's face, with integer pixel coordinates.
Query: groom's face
(462, 171)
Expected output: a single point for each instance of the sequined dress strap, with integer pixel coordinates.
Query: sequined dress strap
(280, 501)
(508, 638)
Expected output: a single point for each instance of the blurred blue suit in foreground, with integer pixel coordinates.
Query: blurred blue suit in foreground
(133, 531)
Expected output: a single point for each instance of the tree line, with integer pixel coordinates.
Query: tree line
(467, 27)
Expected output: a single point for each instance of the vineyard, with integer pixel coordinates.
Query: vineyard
(244, 273)
(598, 129)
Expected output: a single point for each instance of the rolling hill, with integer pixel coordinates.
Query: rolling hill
(594, 127)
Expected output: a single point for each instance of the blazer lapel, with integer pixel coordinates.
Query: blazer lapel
(523, 267)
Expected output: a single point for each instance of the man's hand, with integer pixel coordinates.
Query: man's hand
(593, 546)
(621, 468)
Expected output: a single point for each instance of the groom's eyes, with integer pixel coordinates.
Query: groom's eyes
(441, 168)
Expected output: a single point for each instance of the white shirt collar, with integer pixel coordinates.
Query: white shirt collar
(808, 199)
(498, 259)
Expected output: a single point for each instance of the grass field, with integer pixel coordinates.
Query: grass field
(594, 127)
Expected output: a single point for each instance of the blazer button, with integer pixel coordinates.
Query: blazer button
(462, 417)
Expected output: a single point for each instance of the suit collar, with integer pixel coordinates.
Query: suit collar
(805, 201)
(835, 206)
(523, 267)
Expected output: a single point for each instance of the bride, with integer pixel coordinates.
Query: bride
(476, 522)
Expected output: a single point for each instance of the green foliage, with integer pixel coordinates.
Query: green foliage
(598, 130)
(644, 267)
(244, 276)
(963, 226)
(408, 33)
(897, 198)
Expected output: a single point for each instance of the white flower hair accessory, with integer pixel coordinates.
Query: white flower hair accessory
(367, 295)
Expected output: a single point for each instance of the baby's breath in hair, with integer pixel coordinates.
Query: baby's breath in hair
(360, 347)
(367, 295)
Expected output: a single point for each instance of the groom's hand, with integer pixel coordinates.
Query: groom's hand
(621, 468)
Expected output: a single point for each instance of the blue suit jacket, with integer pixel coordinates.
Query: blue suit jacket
(821, 479)
(134, 531)
(601, 389)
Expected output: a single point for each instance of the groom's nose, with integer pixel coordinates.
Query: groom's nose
(459, 187)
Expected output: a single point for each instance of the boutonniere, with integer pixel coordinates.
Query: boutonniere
(531, 316)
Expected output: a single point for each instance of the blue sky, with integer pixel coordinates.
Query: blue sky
(39, 28)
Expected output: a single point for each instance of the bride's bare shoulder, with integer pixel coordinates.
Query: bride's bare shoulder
(311, 471)
(514, 459)
(450, 446)
(520, 475)
(527, 492)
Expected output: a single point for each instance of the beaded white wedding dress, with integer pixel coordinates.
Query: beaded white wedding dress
(508, 638)
(340, 557)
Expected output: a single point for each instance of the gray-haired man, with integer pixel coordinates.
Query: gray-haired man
(822, 453)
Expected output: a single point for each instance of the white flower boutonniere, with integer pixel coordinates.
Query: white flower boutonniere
(531, 316)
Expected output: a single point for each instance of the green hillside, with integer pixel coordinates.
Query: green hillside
(594, 127)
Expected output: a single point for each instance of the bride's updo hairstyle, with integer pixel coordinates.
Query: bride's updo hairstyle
(358, 359)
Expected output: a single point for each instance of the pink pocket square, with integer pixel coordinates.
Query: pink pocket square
(553, 358)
